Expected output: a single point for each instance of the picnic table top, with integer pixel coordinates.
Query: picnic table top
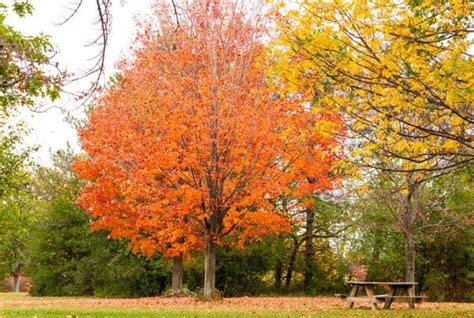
(382, 283)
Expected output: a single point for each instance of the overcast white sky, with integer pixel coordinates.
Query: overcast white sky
(49, 131)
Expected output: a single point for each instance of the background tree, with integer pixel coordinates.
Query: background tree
(312, 229)
(445, 251)
(15, 205)
(309, 201)
(16, 216)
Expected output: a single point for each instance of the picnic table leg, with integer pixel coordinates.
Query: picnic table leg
(411, 299)
(353, 293)
(389, 299)
(370, 293)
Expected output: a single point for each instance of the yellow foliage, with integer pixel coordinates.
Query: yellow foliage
(400, 71)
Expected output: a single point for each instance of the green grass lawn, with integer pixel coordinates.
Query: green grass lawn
(129, 313)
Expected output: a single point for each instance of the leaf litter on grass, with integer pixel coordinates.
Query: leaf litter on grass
(227, 307)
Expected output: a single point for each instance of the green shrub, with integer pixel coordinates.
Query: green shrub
(67, 259)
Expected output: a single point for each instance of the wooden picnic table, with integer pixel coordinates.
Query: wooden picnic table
(397, 290)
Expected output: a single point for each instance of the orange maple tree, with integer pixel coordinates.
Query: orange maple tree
(192, 145)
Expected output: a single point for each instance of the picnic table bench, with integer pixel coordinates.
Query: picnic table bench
(403, 291)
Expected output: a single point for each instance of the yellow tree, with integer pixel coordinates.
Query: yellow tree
(402, 74)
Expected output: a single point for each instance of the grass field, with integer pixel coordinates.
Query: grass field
(65, 307)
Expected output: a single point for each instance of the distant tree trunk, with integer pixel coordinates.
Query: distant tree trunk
(279, 263)
(309, 251)
(292, 261)
(177, 281)
(16, 282)
(409, 218)
(278, 274)
(209, 269)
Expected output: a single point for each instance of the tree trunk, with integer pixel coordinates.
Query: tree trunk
(409, 257)
(409, 219)
(309, 251)
(278, 274)
(16, 282)
(291, 263)
(177, 281)
(209, 269)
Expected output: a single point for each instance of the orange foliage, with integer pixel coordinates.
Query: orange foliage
(192, 144)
